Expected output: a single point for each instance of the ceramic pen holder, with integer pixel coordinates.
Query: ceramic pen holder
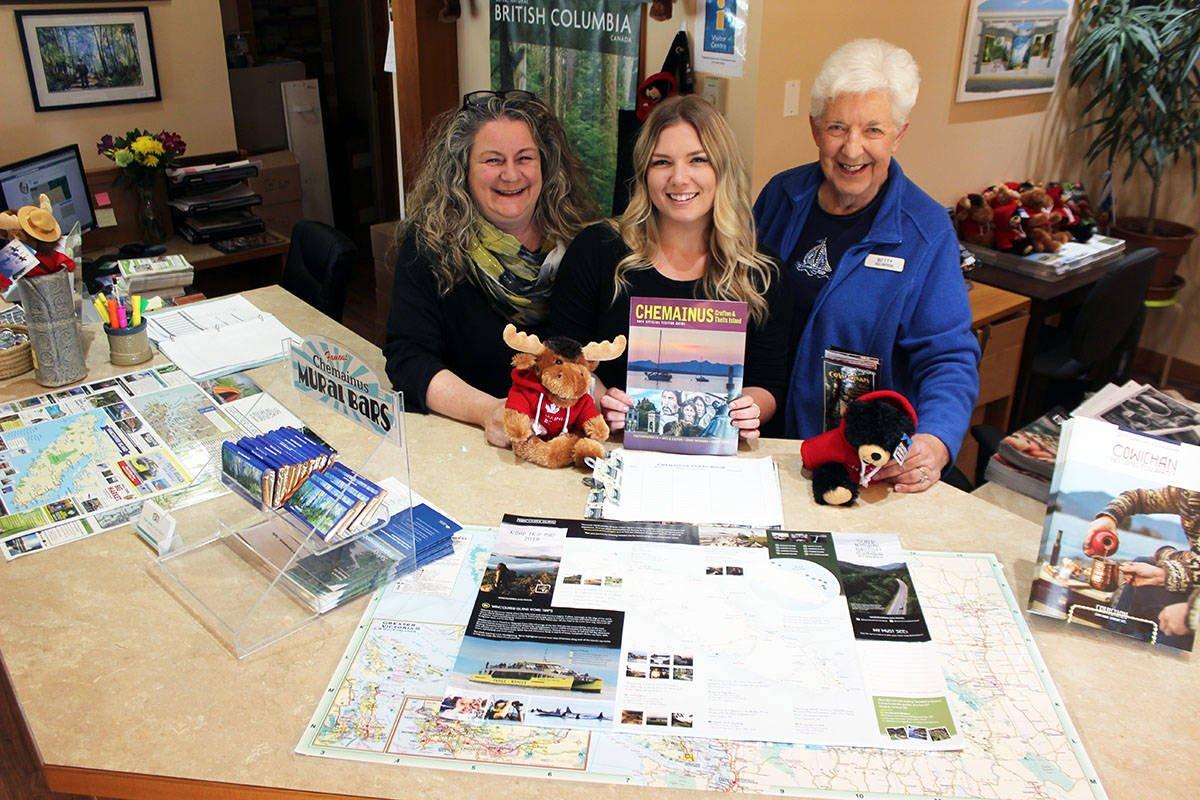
(128, 346)
(50, 315)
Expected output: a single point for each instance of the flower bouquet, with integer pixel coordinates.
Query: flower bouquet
(142, 155)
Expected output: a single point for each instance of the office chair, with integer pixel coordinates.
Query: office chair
(319, 262)
(1095, 344)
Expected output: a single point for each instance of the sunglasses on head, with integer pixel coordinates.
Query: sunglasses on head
(481, 97)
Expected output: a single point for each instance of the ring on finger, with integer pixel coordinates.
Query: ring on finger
(924, 475)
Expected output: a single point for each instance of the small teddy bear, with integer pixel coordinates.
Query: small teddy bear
(876, 429)
(1040, 220)
(974, 218)
(549, 416)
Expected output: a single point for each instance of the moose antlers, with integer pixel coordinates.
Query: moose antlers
(592, 351)
(522, 342)
(604, 351)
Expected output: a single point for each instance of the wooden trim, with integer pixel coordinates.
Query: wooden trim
(426, 74)
(131, 786)
(1151, 361)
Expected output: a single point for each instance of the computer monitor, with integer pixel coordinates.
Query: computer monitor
(58, 175)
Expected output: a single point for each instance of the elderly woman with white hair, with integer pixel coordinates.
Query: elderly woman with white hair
(872, 261)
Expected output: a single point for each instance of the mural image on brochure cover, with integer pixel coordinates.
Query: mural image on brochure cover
(686, 361)
(1121, 544)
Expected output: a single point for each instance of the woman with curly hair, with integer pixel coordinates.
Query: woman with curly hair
(687, 233)
(499, 197)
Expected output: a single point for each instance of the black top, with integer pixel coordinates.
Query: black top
(822, 243)
(582, 308)
(459, 331)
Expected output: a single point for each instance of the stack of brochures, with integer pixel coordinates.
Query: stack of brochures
(161, 276)
(286, 469)
(217, 337)
(1026, 459)
(1115, 552)
(1073, 257)
(325, 580)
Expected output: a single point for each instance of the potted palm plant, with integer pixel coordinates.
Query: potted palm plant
(1141, 63)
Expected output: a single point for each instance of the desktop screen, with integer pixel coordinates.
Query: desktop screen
(58, 175)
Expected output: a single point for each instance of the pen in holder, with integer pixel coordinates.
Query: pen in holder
(128, 346)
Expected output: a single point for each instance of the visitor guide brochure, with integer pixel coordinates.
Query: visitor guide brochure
(1119, 547)
(686, 360)
(785, 636)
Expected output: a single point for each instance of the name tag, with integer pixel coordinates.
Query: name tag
(890, 263)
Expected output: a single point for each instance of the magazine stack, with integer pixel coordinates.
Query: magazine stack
(1120, 540)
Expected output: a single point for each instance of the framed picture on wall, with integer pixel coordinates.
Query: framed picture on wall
(88, 57)
(1013, 48)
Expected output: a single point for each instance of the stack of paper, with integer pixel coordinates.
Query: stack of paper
(218, 337)
(644, 485)
(161, 276)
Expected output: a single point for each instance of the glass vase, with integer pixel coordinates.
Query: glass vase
(148, 221)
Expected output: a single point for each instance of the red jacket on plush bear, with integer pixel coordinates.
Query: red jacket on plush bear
(833, 446)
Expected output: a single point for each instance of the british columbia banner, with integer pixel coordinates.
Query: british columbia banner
(581, 57)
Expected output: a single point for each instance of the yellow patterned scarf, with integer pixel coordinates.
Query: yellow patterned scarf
(516, 280)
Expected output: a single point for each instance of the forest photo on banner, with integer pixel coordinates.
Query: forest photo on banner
(581, 57)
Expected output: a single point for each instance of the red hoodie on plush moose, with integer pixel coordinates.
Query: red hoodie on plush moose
(549, 416)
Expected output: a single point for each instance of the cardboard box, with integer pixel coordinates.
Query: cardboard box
(278, 180)
(280, 217)
(257, 100)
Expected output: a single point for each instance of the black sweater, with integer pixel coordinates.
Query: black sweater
(582, 308)
(426, 333)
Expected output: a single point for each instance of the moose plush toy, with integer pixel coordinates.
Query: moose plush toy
(876, 428)
(549, 416)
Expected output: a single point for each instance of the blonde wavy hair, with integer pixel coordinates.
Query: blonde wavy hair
(443, 214)
(735, 269)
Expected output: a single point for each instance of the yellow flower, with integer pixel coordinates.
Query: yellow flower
(147, 145)
(151, 161)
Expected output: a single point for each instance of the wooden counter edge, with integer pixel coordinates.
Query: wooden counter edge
(134, 786)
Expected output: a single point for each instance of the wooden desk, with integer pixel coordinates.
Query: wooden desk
(999, 319)
(126, 695)
(1047, 299)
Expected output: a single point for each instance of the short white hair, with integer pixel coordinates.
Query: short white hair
(868, 65)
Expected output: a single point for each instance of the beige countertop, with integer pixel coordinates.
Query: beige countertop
(118, 681)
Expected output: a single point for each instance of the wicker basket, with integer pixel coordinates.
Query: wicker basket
(16, 360)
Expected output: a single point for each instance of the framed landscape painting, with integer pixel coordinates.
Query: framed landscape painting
(1013, 47)
(96, 57)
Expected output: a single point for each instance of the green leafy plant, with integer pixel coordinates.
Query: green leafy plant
(1141, 60)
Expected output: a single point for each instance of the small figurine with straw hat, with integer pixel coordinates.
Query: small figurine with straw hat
(40, 230)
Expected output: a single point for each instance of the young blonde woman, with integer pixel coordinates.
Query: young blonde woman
(687, 233)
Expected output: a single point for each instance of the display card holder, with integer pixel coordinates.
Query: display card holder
(271, 555)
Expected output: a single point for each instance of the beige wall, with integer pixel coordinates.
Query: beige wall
(190, 52)
(951, 148)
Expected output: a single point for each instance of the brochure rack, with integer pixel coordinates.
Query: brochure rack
(253, 571)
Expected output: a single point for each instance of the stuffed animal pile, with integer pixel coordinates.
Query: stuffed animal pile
(1023, 218)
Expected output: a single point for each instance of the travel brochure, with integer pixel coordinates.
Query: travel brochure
(784, 636)
(414, 535)
(1115, 552)
(685, 366)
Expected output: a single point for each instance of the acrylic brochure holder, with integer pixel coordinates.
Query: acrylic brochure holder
(260, 562)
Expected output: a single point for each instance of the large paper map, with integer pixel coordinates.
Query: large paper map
(80, 460)
(382, 705)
